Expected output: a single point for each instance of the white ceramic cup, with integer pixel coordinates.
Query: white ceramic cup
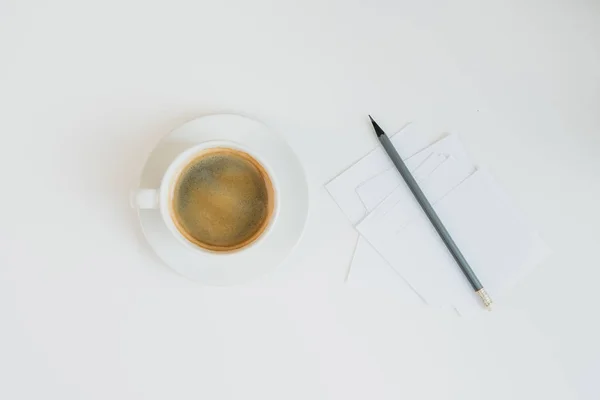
(159, 198)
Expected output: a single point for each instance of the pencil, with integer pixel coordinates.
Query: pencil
(432, 215)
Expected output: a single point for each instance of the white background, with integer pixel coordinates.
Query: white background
(88, 87)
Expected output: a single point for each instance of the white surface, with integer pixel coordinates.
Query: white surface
(289, 216)
(499, 244)
(88, 89)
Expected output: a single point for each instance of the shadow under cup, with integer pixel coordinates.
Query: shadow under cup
(222, 199)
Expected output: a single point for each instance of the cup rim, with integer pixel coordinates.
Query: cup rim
(172, 172)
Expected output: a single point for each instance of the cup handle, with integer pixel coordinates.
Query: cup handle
(144, 199)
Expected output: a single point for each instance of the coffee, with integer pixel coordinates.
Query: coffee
(222, 200)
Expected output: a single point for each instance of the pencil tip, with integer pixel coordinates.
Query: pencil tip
(378, 130)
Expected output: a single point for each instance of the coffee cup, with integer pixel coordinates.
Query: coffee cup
(217, 197)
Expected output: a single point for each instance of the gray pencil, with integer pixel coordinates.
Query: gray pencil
(431, 214)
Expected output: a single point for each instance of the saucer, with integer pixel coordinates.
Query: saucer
(246, 264)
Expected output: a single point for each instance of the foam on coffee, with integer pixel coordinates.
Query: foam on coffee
(222, 200)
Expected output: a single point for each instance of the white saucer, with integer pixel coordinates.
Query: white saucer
(244, 265)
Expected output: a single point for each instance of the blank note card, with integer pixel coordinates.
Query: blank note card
(370, 271)
(342, 188)
(489, 230)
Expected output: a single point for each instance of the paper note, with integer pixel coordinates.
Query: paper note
(491, 233)
(437, 175)
(370, 271)
(375, 190)
(343, 187)
(448, 149)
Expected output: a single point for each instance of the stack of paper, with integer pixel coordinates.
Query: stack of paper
(399, 250)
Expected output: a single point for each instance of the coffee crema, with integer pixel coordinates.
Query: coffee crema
(222, 199)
